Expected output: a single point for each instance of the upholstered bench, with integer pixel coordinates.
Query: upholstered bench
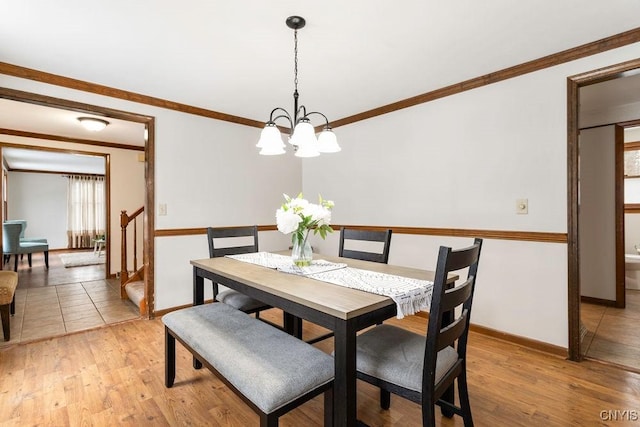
(8, 284)
(272, 371)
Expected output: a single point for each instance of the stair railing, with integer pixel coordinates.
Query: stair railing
(125, 220)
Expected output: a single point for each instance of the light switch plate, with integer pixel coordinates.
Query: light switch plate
(162, 209)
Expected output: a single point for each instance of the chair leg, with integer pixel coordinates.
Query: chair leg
(463, 394)
(13, 304)
(46, 258)
(6, 327)
(428, 413)
(29, 259)
(448, 396)
(15, 263)
(385, 399)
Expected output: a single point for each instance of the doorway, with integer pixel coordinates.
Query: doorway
(575, 83)
(146, 156)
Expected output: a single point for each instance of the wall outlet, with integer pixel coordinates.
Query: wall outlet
(162, 209)
(522, 206)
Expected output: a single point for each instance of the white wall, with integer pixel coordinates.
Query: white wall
(458, 162)
(597, 213)
(41, 200)
(461, 162)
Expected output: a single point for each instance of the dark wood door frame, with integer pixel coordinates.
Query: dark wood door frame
(149, 154)
(574, 83)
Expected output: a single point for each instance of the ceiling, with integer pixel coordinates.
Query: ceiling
(236, 57)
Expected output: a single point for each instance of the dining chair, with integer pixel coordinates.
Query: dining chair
(423, 368)
(233, 241)
(12, 245)
(366, 245)
(365, 251)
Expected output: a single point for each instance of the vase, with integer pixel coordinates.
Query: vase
(301, 254)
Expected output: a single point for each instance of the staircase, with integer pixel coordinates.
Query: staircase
(132, 284)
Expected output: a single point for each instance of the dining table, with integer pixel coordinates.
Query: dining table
(343, 310)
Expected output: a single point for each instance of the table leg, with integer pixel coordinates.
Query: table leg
(344, 389)
(198, 287)
(292, 325)
(198, 299)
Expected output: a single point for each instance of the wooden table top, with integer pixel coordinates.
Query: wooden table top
(338, 301)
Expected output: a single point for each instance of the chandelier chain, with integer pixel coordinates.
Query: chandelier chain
(295, 60)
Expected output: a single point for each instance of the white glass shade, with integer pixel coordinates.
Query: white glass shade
(307, 149)
(93, 125)
(303, 133)
(270, 141)
(327, 142)
(304, 137)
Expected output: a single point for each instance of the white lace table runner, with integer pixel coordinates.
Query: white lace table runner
(410, 295)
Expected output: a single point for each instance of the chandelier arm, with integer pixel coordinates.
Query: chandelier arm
(325, 118)
(285, 116)
(286, 113)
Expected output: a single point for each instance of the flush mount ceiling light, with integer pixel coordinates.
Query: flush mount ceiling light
(302, 134)
(93, 124)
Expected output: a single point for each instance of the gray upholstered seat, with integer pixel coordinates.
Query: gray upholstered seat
(397, 356)
(240, 301)
(268, 366)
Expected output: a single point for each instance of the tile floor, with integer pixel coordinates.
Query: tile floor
(612, 333)
(57, 301)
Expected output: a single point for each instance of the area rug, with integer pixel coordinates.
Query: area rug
(77, 259)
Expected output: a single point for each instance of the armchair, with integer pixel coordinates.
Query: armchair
(12, 245)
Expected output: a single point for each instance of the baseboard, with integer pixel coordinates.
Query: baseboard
(598, 301)
(514, 339)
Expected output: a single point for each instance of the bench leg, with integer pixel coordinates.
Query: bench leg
(169, 358)
(196, 363)
(46, 258)
(268, 420)
(6, 327)
(15, 263)
(29, 259)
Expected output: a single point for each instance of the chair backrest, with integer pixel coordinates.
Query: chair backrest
(235, 233)
(445, 329)
(22, 222)
(11, 237)
(369, 236)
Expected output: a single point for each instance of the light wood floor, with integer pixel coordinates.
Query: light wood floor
(115, 376)
(613, 334)
(52, 302)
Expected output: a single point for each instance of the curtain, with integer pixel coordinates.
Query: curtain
(86, 210)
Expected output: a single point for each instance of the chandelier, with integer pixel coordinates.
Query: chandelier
(301, 133)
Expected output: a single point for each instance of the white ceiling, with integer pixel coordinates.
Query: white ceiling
(24, 159)
(236, 57)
